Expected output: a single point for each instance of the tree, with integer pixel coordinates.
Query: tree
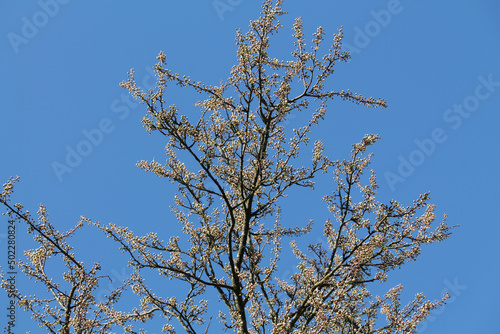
(233, 165)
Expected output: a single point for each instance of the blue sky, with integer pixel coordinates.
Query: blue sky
(436, 63)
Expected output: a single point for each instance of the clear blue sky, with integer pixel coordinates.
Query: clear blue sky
(436, 63)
